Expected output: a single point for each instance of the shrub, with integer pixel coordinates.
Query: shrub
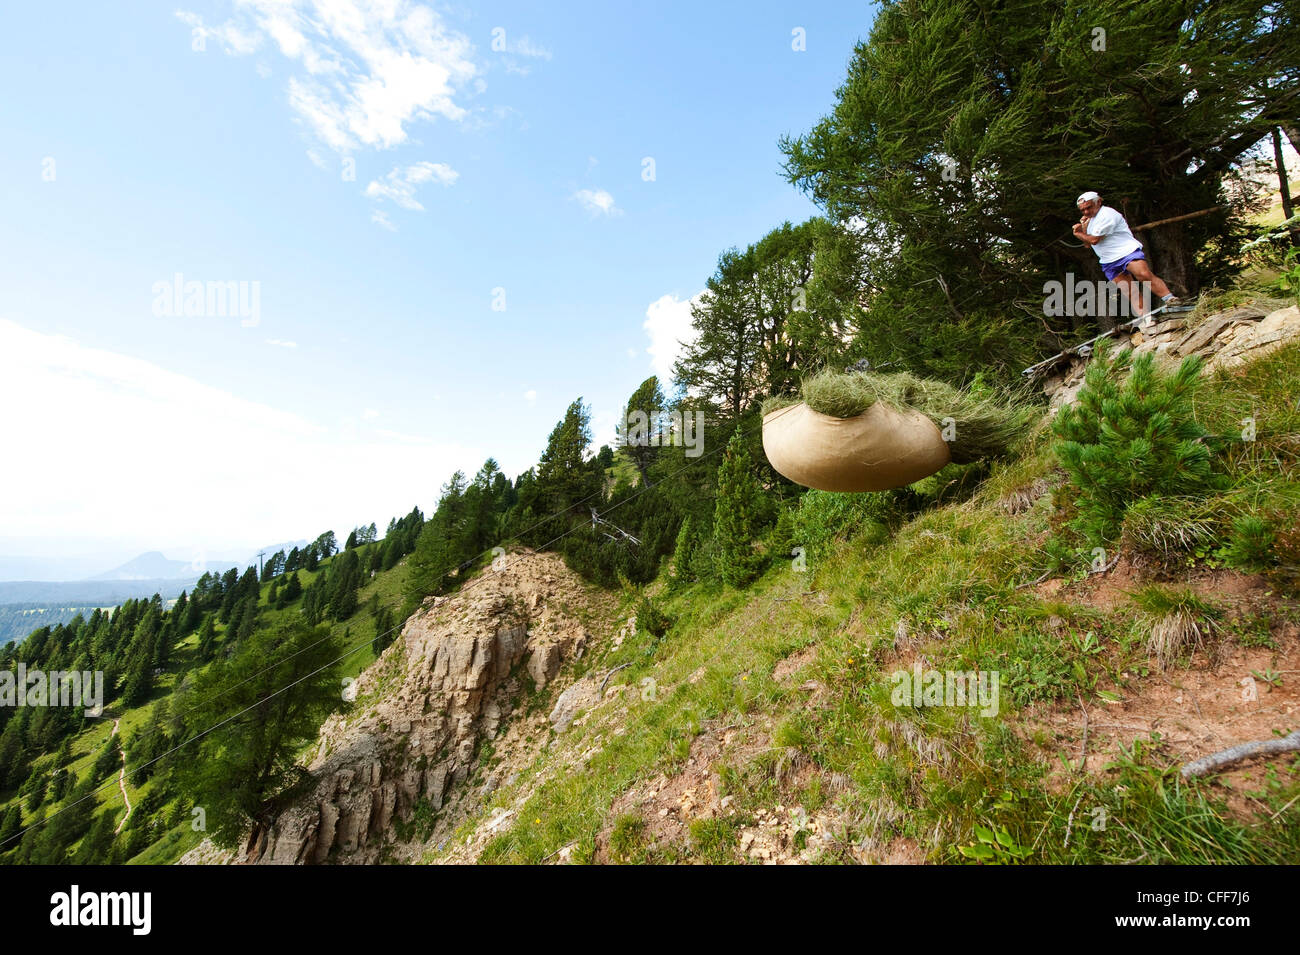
(1169, 529)
(1250, 545)
(1131, 435)
(651, 619)
(1182, 622)
(823, 516)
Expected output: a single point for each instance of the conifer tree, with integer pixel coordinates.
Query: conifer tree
(208, 638)
(563, 477)
(1130, 434)
(737, 515)
(684, 552)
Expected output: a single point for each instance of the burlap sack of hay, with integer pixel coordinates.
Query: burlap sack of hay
(881, 448)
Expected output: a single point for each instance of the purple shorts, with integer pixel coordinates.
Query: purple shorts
(1113, 269)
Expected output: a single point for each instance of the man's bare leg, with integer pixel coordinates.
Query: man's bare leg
(1139, 269)
(1133, 291)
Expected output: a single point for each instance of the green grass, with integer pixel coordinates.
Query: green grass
(961, 786)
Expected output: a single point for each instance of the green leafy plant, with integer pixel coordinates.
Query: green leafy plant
(1289, 281)
(994, 846)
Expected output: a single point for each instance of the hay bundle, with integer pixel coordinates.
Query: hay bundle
(860, 431)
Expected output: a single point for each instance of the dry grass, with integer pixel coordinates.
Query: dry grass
(1176, 636)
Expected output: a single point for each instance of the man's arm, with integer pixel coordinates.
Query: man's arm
(1081, 232)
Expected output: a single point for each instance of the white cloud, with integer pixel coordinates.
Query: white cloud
(597, 202)
(368, 69)
(400, 184)
(668, 325)
(380, 218)
(316, 159)
(170, 486)
(281, 343)
(530, 396)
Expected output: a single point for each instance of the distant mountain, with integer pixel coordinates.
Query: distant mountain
(154, 565)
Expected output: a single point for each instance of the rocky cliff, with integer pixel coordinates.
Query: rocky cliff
(456, 680)
(1224, 339)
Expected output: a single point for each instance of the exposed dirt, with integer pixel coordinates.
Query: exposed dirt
(1226, 694)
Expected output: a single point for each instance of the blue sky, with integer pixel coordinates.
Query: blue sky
(375, 363)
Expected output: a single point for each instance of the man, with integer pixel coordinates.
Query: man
(1120, 254)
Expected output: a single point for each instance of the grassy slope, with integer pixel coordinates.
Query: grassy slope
(179, 838)
(944, 586)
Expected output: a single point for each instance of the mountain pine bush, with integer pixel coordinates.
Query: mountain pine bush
(1130, 435)
(738, 515)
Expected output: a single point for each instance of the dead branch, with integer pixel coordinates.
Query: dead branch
(621, 666)
(1190, 215)
(1242, 751)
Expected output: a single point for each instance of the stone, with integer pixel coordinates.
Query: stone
(583, 694)
(1201, 335)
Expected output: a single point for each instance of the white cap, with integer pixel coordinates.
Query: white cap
(1087, 197)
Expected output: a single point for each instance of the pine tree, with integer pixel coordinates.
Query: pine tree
(964, 130)
(1130, 434)
(344, 583)
(684, 552)
(10, 822)
(95, 848)
(281, 683)
(247, 619)
(737, 515)
(642, 429)
(208, 638)
(563, 477)
(139, 681)
(36, 794)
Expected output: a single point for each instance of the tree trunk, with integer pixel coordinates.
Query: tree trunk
(1283, 185)
(1173, 258)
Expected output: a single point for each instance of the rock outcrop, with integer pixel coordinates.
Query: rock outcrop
(424, 708)
(1225, 340)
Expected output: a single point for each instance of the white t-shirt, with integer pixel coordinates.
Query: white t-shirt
(1118, 241)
